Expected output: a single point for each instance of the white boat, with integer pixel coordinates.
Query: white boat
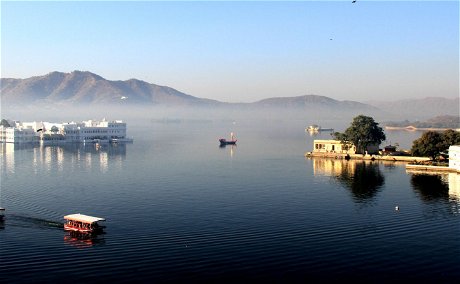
(83, 223)
(317, 128)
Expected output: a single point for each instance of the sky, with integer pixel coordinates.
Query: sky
(243, 51)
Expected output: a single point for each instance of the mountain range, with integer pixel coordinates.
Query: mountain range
(86, 88)
(82, 88)
(422, 108)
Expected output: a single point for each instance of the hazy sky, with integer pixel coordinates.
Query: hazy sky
(243, 51)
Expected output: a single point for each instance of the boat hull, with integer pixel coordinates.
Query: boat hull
(225, 142)
(81, 230)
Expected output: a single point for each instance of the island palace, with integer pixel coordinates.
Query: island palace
(89, 131)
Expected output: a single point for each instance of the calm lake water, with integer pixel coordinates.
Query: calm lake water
(181, 208)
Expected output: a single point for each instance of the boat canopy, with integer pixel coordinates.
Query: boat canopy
(83, 218)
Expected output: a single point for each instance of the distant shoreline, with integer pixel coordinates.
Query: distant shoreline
(413, 128)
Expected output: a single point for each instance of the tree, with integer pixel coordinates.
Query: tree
(450, 137)
(54, 129)
(428, 145)
(4, 123)
(432, 143)
(363, 131)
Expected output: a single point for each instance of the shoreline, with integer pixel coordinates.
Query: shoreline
(410, 168)
(413, 128)
(424, 169)
(407, 159)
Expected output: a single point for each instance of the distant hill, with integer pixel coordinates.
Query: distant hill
(309, 101)
(80, 87)
(420, 109)
(86, 88)
(442, 121)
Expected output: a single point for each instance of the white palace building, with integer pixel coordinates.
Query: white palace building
(89, 131)
(454, 157)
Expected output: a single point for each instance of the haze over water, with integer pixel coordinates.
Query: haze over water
(181, 208)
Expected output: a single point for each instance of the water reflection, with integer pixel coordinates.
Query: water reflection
(83, 240)
(95, 156)
(454, 192)
(11, 152)
(438, 186)
(362, 178)
(231, 148)
(429, 187)
(454, 185)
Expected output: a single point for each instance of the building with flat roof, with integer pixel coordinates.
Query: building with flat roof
(50, 132)
(17, 135)
(336, 147)
(333, 146)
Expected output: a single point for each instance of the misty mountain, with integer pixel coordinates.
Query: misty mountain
(313, 101)
(84, 88)
(420, 108)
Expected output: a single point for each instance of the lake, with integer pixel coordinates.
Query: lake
(179, 208)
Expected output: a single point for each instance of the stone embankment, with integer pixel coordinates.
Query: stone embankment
(413, 164)
(430, 169)
(408, 159)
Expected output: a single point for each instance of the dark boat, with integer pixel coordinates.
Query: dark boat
(224, 141)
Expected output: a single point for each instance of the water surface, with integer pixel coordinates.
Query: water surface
(181, 208)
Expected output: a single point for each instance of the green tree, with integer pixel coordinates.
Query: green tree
(4, 123)
(54, 129)
(450, 137)
(363, 131)
(428, 145)
(432, 143)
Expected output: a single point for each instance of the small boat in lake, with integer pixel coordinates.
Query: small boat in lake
(83, 223)
(224, 141)
(2, 213)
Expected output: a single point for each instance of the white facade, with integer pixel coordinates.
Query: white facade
(90, 131)
(85, 131)
(17, 135)
(454, 157)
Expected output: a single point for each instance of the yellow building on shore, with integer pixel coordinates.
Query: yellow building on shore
(337, 147)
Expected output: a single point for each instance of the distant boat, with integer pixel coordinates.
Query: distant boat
(224, 141)
(317, 128)
(2, 212)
